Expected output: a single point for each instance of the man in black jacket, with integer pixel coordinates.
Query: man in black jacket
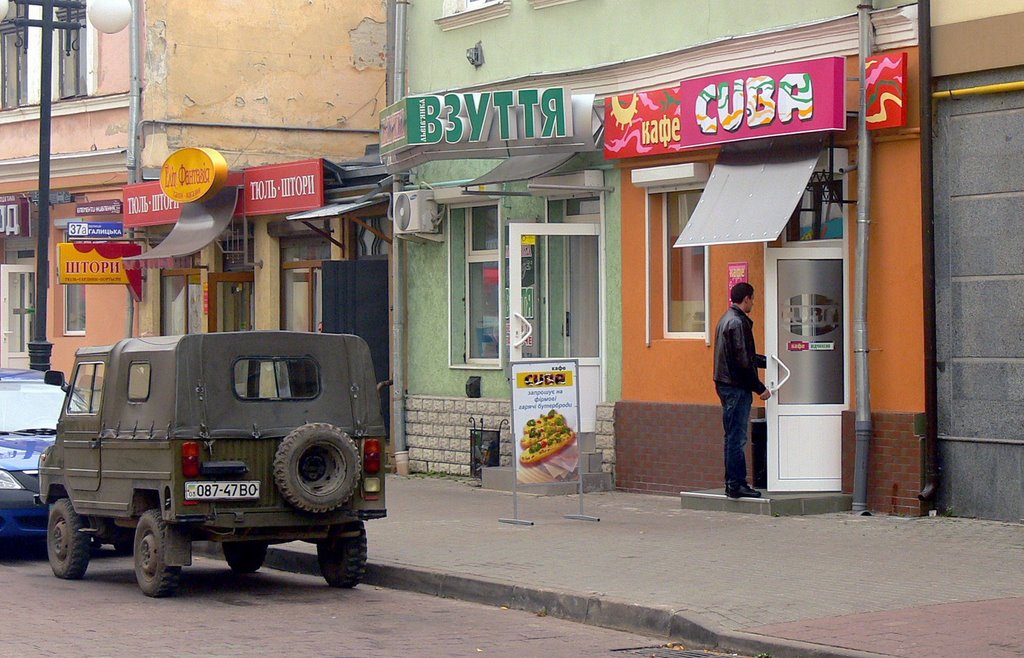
(736, 364)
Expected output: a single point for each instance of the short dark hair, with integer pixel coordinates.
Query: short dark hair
(741, 291)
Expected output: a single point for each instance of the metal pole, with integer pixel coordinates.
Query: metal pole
(40, 349)
(398, 275)
(134, 113)
(863, 427)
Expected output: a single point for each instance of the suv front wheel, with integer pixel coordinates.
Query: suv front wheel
(66, 545)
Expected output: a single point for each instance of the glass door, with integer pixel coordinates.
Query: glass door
(18, 284)
(805, 311)
(231, 301)
(555, 303)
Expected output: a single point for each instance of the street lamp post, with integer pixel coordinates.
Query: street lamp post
(108, 16)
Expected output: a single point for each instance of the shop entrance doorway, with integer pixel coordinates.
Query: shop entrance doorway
(806, 338)
(232, 306)
(554, 302)
(18, 289)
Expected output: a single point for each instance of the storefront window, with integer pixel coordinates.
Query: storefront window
(483, 283)
(475, 285)
(74, 310)
(181, 303)
(685, 280)
(301, 291)
(820, 213)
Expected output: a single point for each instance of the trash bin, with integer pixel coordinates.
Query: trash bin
(484, 449)
(759, 451)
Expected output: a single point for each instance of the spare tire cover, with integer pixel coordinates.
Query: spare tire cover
(316, 467)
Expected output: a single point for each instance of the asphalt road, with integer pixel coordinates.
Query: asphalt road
(271, 613)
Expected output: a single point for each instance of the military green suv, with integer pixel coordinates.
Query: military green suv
(245, 439)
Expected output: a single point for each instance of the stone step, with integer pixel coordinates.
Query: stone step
(500, 478)
(770, 504)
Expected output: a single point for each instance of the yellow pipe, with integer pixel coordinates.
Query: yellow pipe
(976, 91)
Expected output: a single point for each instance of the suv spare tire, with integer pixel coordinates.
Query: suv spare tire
(316, 467)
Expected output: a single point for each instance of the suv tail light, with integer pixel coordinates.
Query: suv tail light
(190, 459)
(371, 455)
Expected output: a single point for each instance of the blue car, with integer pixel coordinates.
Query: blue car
(29, 410)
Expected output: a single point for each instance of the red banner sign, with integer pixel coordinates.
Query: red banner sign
(886, 78)
(283, 188)
(145, 204)
(644, 123)
(15, 221)
(785, 99)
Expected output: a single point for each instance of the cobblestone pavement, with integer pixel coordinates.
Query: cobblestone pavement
(266, 614)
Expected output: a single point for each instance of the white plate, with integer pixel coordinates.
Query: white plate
(235, 490)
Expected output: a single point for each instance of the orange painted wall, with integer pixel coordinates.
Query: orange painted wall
(680, 370)
(106, 306)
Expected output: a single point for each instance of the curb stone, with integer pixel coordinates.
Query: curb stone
(656, 622)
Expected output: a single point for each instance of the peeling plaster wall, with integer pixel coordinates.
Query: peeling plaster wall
(292, 67)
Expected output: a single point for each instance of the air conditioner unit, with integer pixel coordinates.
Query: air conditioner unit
(416, 215)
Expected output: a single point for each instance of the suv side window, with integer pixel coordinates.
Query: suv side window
(87, 389)
(268, 378)
(138, 381)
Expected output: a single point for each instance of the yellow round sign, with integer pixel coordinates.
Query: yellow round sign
(193, 174)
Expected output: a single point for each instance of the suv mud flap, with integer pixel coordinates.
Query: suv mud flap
(178, 549)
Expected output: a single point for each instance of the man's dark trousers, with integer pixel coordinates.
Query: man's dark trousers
(736, 403)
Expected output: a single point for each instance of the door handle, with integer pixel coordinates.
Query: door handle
(529, 330)
(772, 386)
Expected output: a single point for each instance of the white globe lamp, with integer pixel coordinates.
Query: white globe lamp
(7, 7)
(108, 16)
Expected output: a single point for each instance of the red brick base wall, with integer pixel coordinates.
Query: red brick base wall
(668, 448)
(895, 462)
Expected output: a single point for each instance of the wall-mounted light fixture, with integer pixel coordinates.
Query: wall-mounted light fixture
(475, 55)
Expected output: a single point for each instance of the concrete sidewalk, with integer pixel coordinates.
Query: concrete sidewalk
(828, 585)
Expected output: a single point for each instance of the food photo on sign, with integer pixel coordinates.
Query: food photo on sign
(545, 421)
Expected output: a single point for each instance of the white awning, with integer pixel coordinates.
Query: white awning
(522, 167)
(752, 192)
(336, 209)
(200, 223)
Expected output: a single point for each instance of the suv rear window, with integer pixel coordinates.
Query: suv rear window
(267, 378)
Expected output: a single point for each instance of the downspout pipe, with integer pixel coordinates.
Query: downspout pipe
(398, 279)
(134, 115)
(863, 426)
(931, 407)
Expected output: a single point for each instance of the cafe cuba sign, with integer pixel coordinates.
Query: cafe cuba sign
(769, 101)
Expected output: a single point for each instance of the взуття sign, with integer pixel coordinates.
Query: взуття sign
(487, 124)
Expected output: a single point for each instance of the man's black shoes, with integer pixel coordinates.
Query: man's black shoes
(742, 491)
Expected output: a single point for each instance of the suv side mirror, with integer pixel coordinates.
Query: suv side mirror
(56, 378)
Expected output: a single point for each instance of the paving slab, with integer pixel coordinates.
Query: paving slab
(835, 584)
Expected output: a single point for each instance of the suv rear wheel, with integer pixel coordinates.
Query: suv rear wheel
(316, 467)
(66, 545)
(155, 578)
(245, 556)
(342, 555)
